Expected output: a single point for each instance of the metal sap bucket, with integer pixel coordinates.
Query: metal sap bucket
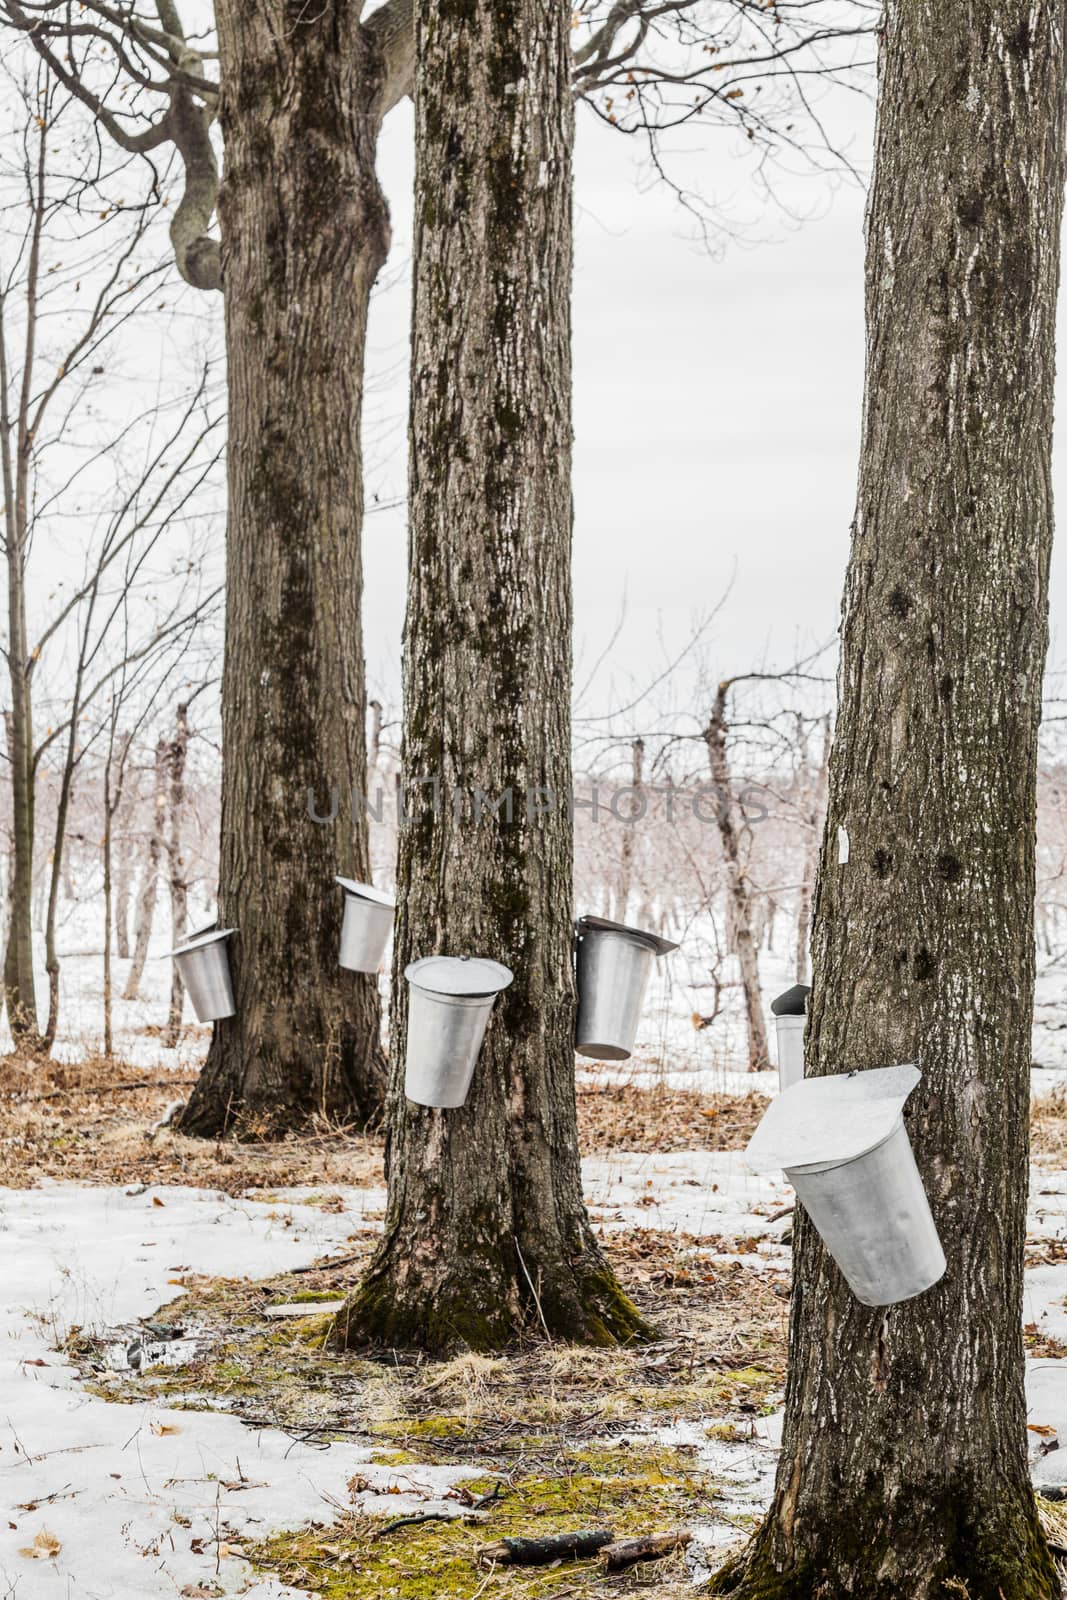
(614, 965)
(789, 1012)
(449, 1002)
(842, 1144)
(368, 922)
(203, 963)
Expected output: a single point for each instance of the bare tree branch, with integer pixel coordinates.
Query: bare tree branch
(392, 27)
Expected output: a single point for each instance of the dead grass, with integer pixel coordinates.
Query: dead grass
(721, 1355)
(627, 1490)
(625, 1116)
(1048, 1127)
(90, 1123)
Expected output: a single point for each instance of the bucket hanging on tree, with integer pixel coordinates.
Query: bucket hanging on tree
(203, 963)
(450, 999)
(790, 1017)
(368, 922)
(842, 1143)
(614, 964)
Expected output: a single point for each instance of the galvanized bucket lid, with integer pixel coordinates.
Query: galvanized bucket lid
(459, 975)
(828, 1121)
(366, 891)
(198, 941)
(794, 1001)
(662, 947)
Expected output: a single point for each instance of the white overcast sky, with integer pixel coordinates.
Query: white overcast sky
(717, 411)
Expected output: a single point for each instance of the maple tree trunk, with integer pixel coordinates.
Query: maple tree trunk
(486, 1231)
(904, 1467)
(305, 231)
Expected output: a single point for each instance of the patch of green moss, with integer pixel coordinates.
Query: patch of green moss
(442, 1427)
(531, 1406)
(395, 1458)
(625, 1488)
(306, 1297)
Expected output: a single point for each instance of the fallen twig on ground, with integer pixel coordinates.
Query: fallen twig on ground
(478, 1502)
(326, 1266)
(626, 1553)
(425, 1516)
(542, 1552)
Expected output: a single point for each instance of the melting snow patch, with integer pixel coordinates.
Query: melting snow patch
(134, 1502)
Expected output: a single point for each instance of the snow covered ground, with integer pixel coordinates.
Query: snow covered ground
(113, 1502)
(102, 1501)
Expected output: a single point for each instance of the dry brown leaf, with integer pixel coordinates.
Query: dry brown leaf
(161, 1428)
(45, 1547)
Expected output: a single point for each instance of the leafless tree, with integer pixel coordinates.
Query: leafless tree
(177, 756)
(72, 282)
(744, 938)
(487, 1232)
(146, 902)
(304, 109)
(814, 816)
(626, 852)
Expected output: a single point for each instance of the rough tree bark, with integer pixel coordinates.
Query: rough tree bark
(486, 1231)
(742, 918)
(305, 230)
(903, 1470)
